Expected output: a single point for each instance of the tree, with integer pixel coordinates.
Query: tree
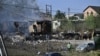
(66, 25)
(59, 15)
(97, 36)
(69, 25)
(91, 24)
(97, 21)
(63, 25)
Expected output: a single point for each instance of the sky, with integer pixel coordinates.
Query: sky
(76, 6)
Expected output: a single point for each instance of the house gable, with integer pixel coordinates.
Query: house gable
(91, 10)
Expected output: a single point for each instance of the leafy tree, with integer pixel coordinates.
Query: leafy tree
(97, 21)
(66, 25)
(97, 37)
(63, 25)
(59, 15)
(90, 24)
(69, 25)
(93, 23)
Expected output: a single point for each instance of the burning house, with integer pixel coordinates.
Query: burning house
(22, 16)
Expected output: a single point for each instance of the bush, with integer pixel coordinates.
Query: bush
(97, 42)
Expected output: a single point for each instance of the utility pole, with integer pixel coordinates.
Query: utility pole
(48, 14)
(68, 12)
(49, 10)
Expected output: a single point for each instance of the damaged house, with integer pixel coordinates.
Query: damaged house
(22, 16)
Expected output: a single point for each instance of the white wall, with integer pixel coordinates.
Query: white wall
(55, 24)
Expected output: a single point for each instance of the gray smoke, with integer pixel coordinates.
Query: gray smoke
(19, 10)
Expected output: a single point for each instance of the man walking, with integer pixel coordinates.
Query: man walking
(69, 46)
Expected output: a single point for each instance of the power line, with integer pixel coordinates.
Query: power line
(74, 9)
(37, 8)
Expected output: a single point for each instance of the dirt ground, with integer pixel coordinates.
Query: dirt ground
(23, 49)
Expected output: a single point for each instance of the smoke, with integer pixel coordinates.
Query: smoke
(19, 10)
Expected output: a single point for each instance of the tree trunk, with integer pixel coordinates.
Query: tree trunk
(92, 35)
